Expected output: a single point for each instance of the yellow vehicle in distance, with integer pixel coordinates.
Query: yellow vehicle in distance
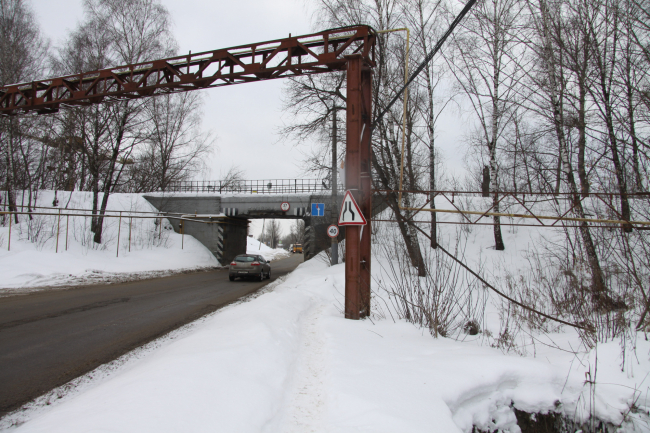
(297, 248)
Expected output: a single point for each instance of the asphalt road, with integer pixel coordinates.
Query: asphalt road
(50, 337)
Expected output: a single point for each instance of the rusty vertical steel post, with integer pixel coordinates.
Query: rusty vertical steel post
(365, 196)
(334, 181)
(353, 184)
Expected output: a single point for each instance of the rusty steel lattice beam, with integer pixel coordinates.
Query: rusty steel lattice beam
(300, 55)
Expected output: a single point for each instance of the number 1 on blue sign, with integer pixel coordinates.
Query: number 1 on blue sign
(318, 209)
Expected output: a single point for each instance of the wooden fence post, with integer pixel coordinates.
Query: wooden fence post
(58, 226)
(119, 230)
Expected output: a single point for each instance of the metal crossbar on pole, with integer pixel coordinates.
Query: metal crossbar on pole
(314, 53)
(159, 216)
(532, 216)
(89, 210)
(609, 227)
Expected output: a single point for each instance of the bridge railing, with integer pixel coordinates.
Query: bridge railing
(262, 186)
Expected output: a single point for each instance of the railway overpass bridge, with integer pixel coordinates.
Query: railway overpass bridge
(224, 210)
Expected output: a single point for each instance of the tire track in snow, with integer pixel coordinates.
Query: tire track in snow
(306, 409)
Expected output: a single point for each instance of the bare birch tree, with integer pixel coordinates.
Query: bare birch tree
(114, 33)
(174, 146)
(543, 20)
(22, 53)
(485, 67)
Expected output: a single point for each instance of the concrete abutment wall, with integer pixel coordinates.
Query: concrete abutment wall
(225, 236)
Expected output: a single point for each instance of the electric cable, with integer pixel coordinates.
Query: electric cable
(497, 291)
(426, 60)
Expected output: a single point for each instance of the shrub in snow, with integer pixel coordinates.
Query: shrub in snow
(444, 300)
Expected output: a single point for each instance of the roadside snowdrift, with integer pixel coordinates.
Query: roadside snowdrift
(33, 260)
(256, 247)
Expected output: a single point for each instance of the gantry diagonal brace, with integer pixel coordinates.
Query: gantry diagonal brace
(324, 51)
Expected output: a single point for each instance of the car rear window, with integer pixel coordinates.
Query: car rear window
(244, 259)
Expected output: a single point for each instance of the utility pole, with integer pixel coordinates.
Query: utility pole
(334, 179)
(358, 181)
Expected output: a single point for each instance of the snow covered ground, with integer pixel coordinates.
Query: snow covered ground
(286, 361)
(256, 247)
(33, 260)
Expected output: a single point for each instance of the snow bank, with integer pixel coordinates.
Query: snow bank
(33, 260)
(256, 247)
(287, 361)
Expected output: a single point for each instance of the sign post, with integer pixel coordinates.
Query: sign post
(358, 181)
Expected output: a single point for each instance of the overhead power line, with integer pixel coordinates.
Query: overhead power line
(426, 60)
(586, 328)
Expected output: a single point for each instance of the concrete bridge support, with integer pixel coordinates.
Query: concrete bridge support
(221, 223)
(224, 237)
(316, 239)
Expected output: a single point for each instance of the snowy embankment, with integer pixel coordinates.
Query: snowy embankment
(146, 249)
(286, 361)
(153, 250)
(256, 247)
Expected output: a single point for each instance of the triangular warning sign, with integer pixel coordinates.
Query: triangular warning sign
(350, 214)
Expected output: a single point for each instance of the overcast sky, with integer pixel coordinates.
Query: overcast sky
(244, 118)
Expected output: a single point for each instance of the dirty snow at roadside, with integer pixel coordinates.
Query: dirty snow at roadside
(33, 260)
(256, 247)
(286, 361)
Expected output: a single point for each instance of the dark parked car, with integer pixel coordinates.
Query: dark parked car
(249, 266)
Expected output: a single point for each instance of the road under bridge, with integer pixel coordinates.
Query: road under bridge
(220, 221)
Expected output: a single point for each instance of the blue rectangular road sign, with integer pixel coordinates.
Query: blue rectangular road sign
(318, 209)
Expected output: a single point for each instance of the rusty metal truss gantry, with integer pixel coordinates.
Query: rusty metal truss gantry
(350, 49)
(320, 52)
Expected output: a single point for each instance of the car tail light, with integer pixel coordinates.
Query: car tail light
(255, 263)
(233, 264)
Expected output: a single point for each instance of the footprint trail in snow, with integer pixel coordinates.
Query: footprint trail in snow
(307, 398)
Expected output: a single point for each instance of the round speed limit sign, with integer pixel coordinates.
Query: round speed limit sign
(284, 206)
(332, 231)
